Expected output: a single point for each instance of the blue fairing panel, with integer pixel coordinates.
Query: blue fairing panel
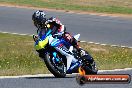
(56, 43)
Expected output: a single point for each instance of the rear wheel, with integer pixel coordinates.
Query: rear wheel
(89, 64)
(57, 69)
(91, 68)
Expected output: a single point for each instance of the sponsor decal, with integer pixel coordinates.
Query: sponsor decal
(104, 78)
(64, 49)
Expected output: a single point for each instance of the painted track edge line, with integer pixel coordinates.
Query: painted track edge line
(24, 76)
(90, 42)
(51, 75)
(80, 41)
(14, 33)
(125, 69)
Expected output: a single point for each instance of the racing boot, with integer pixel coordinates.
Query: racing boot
(82, 53)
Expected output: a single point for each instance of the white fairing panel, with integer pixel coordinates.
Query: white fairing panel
(71, 49)
(77, 36)
(50, 39)
(69, 57)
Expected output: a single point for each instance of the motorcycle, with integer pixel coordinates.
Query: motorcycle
(61, 57)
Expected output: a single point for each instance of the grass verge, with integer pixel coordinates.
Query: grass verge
(18, 57)
(108, 6)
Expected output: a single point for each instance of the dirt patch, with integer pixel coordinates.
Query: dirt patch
(99, 50)
(76, 12)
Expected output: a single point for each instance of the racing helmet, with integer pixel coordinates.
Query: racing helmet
(39, 18)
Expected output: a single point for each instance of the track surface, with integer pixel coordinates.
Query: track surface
(108, 30)
(52, 82)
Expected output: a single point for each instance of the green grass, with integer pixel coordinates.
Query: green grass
(18, 57)
(108, 57)
(108, 6)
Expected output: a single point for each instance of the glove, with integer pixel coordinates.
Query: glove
(35, 37)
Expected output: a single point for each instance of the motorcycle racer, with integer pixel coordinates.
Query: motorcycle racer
(58, 29)
(65, 60)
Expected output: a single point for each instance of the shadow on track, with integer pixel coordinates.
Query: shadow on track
(48, 77)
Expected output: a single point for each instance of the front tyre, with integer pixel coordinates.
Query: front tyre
(53, 68)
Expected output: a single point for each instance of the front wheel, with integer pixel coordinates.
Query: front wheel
(58, 70)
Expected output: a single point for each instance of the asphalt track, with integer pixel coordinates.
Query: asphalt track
(108, 30)
(102, 29)
(52, 82)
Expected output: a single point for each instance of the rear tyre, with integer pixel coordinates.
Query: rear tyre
(91, 68)
(89, 64)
